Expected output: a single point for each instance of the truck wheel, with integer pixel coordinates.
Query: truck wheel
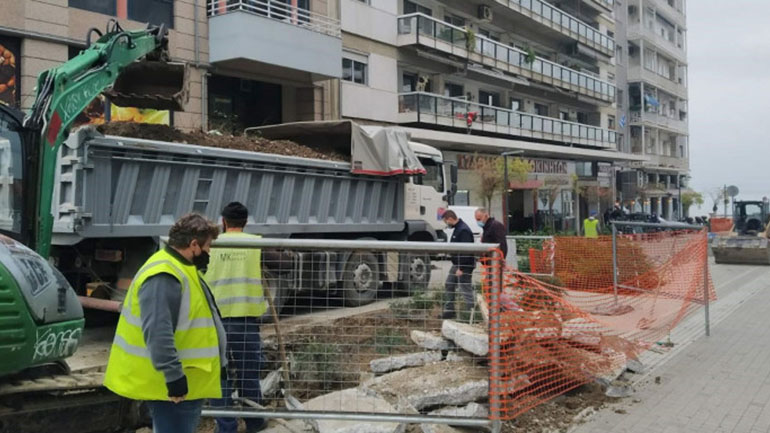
(418, 276)
(360, 279)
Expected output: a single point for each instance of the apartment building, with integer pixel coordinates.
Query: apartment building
(251, 62)
(652, 64)
(477, 78)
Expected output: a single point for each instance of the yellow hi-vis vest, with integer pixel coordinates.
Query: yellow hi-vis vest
(129, 370)
(235, 278)
(591, 228)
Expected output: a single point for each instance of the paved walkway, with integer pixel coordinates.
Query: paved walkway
(717, 384)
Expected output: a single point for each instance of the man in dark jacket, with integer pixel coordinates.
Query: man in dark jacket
(462, 267)
(494, 230)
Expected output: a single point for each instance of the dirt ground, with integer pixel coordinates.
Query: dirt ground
(250, 143)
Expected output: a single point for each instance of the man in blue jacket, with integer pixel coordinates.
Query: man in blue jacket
(462, 267)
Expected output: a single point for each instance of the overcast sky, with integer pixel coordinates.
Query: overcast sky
(729, 59)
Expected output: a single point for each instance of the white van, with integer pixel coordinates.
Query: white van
(466, 213)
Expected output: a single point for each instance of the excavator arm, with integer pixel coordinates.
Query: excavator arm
(65, 91)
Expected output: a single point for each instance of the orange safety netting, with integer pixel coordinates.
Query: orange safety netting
(721, 225)
(556, 333)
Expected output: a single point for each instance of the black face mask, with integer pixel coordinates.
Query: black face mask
(201, 261)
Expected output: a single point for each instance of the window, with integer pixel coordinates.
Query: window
(563, 115)
(489, 98)
(582, 118)
(584, 169)
(155, 12)
(611, 122)
(620, 100)
(610, 76)
(411, 7)
(516, 104)
(454, 90)
(433, 175)
(489, 35)
(354, 71)
(409, 82)
(619, 52)
(454, 20)
(541, 109)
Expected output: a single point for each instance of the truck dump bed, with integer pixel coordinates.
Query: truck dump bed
(110, 186)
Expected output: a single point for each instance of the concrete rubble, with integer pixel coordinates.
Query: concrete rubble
(353, 400)
(634, 366)
(473, 339)
(397, 362)
(270, 384)
(433, 385)
(430, 340)
(472, 410)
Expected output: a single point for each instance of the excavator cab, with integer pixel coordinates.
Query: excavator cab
(747, 242)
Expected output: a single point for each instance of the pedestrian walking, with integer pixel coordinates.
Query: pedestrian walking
(459, 278)
(494, 230)
(169, 345)
(235, 277)
(591, 226)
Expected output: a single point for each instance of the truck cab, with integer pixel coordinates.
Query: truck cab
(429, 195)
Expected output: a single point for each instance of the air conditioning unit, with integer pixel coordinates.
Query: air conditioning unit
(485, 13)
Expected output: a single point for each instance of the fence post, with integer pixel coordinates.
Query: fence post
(706, 286)
(495, 374)
(615, 261)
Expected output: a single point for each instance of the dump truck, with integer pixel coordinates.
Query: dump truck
(115, 196)
(747, 241)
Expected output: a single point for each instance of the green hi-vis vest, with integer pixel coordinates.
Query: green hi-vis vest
(591, 227)
(129, 370)
(235, 277)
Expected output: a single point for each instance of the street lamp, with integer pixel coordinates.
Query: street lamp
(505, 156)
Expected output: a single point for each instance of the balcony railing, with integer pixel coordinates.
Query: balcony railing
(421, 107)
(564, 23)
(659, 120)
(428, 31)
(672, 49)
(279, 11)
(639, 73)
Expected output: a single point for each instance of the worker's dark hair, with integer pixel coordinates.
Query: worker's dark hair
(189, 227)
(449, 214)
(235, 215)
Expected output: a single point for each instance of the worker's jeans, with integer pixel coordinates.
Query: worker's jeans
(168, 417)
(244, 363)
(453, 283)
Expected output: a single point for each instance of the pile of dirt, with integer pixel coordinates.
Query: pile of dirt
(561, 413)
(198, 138)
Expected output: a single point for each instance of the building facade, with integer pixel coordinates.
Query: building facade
(593, 92)
(652, 71)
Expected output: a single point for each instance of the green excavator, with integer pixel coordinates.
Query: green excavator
(41, 319)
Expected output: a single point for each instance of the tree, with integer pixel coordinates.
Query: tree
(491, 175)
(690, 198)
(548, 194)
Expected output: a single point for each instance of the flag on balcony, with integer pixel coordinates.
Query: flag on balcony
(651, 100)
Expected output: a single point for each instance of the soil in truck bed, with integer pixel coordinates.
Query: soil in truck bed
(250, 143)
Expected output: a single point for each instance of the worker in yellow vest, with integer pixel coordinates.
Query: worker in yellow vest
(591, 226)
(235, 278)
(169, 346)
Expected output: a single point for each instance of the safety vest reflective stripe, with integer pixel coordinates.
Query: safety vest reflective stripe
(183, 354)
(228, 281)
(242, 300)
(183, 322)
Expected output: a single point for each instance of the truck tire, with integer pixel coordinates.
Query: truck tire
(418, 276)
(280, 290)
(360, 279)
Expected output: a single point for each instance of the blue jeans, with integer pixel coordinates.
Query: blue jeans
(244, 363)
(168, 417)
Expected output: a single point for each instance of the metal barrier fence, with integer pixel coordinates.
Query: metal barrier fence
(356, 334)
(531, 255)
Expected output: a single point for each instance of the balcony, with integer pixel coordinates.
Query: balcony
(670, 12)
(664, 161)
(637, 73)
(563, 23)
(275, 38)
(601, 5)
(656, 120)
(428, 108)
(419, 29)
(673, 49)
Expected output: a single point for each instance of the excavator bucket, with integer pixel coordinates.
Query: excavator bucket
(152, 84)
(742, 250)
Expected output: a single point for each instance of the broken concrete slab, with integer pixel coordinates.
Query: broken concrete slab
(544, 333)
(269, 385)
(472, 410)
(581, 330)
(617, 362)
(458, 357)
(619, 390)
(473, 339)
(634, 366)
(353, 400)
(431, 340)
(391, 363)
(433, 385)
